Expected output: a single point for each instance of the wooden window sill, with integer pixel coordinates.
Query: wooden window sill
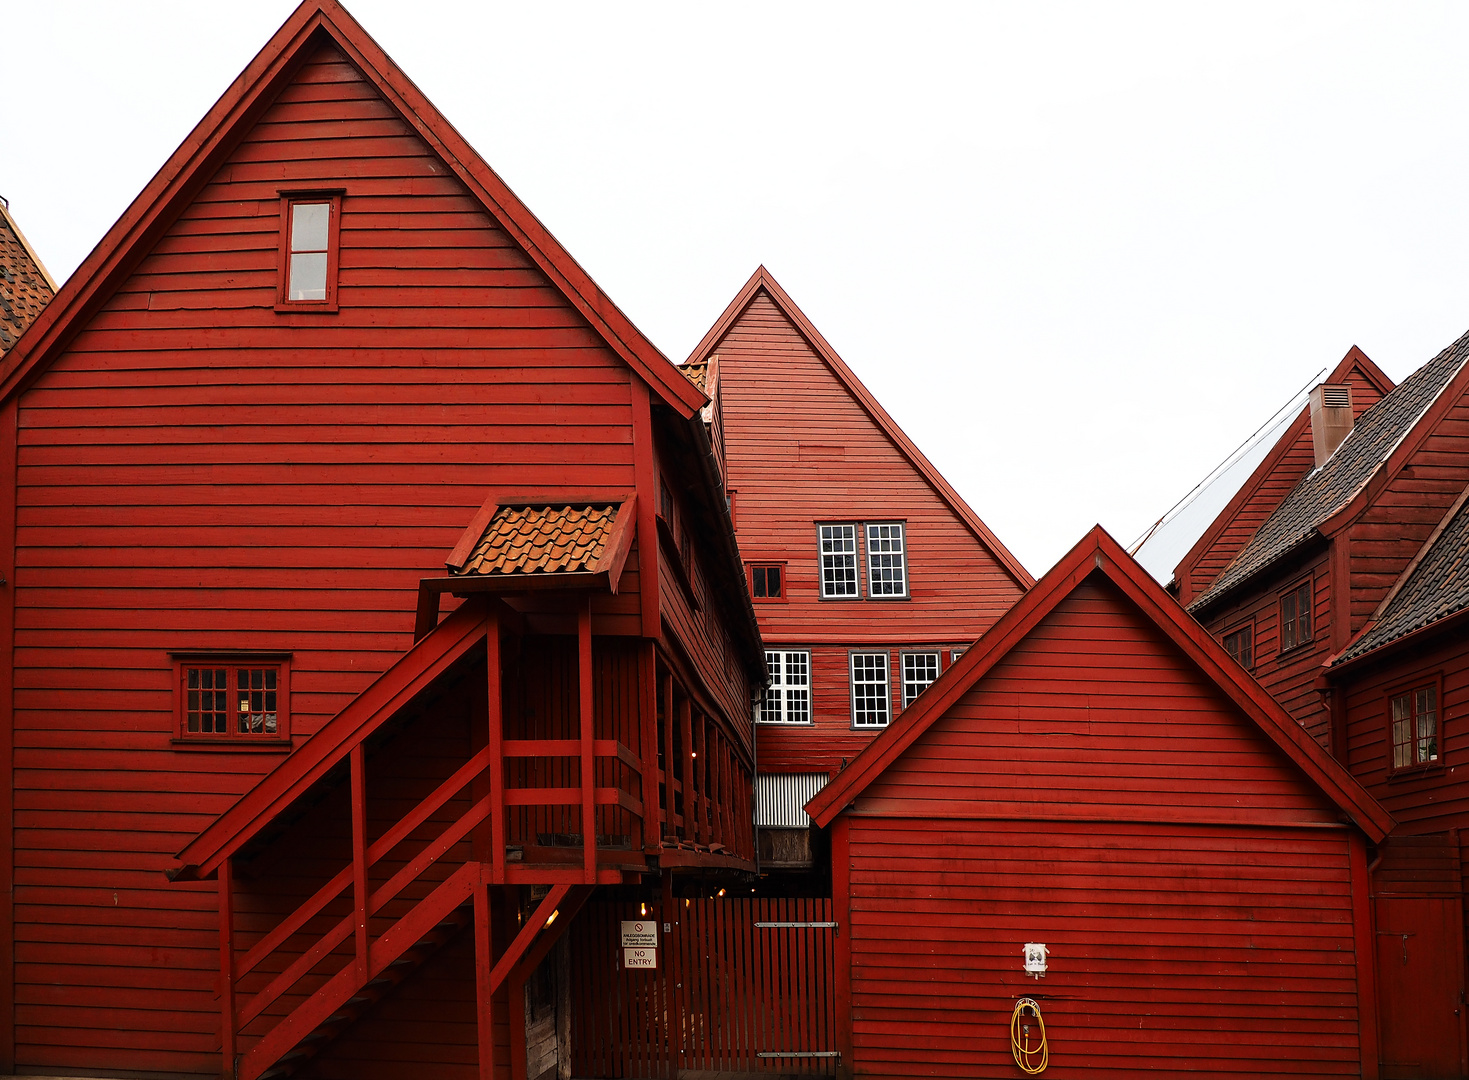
(245, 745)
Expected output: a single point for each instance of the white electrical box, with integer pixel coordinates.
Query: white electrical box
(1035, 959)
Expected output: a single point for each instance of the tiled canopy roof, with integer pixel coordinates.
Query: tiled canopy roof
(696, 374)
(24, 286)
(1326, 490)
(541, 540)
(1437, 588)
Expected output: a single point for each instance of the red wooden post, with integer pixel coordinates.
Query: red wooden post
(8, 438)
(494, 716)
(227, 969)
(484, 962)
(648, 742)
(588, 778)
(359, 855)
(672, 966)
(670, 767)
(841, 913)
(1365, 935)
(690, 798)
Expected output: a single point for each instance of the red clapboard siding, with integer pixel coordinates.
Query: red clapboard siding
(1179, 950)
(800, 448)
(198, 471)
(1289, 677)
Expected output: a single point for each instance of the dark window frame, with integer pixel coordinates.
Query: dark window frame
(290, 199)
(1410, 689)
(1291, 597)
(1234, 632)
(232, 662)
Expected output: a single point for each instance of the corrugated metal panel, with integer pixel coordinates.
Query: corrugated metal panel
(779, 798)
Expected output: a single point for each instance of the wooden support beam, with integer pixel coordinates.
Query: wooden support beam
(427, 616)
(359, 854)
(841, 912)
(690, 798)
(227, 969)
(588, 780)
(528, 931)
(484, 993)
(495, 718)
(701, 774)
(670, 763)
(648, 741)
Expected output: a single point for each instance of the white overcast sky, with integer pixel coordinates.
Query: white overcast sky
(1078, 251)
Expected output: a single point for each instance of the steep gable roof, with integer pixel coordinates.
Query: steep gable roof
(25, 286)
(1379, 434)
(1296, 435)
(1099, 553)
(1433, 587)
(762, 281)
(313, 24)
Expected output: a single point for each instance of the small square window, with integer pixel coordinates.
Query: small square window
(767, 581)
(871, 694)
(887, 570)
(1414, 721)
(1295, 617)
(1240, 644)
(233, 699)
(838, 561)
(309, 230)
(919, 669)
(787, 699)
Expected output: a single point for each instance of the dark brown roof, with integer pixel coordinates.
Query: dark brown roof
(25, 287)
(1435, 589)
(1324, 491)
(542, 540)
(696, 374)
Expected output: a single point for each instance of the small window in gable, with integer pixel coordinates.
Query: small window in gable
(241, 699)
(309, 252)
(1240, 644)
(887, 569)
(1295, 616)
(838, 561)
(767, 581)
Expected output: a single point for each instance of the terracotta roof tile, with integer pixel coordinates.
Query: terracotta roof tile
(696, 373)
(24, 288)
(1437, 588)
(1326, 490)
(542, 540)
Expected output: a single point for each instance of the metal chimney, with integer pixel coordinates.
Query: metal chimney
(1331, 418)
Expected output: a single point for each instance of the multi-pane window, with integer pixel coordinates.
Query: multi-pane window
(870, 694)
(919, 669)
(220, 699)
(838, 560)
(1295, 616)
(954, 655)
(788, 698)
(309, 255)
(1415, 727)
(887, 573)
(767, 581)
(1240, 644)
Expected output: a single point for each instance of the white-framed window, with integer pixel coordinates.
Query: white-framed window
(871, 696)
(887, 569)
(919, 669)
(954, 655)
(838, 561)
(788, 697)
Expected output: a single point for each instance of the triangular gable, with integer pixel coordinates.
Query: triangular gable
(313, 24)
(1098, 552)
(761, 280)
(1290, 459)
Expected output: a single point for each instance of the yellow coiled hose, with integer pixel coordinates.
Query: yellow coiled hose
(1031, 1059)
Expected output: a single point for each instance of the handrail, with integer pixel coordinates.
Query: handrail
(602, 748)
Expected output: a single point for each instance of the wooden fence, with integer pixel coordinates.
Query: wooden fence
(741, 984)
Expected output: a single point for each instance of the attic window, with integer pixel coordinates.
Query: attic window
(308, 258)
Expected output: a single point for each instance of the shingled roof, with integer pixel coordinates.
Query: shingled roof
(1324, 491)
(696, 373)
(1435, 587)
(542, 540)
(25, 286)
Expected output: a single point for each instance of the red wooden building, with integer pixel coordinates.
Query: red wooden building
(1345, 601)
(356, 626)
(1097, 778)
(869, 573)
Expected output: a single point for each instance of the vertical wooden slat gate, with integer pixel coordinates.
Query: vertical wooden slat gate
(742, 984)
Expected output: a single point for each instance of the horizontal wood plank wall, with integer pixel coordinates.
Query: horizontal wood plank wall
(1421, 801)
(199, 471)
(801, 449)
(1290, 678)
(1403, 515)
(1094, 714)
(1176, 950)
(1296, 462)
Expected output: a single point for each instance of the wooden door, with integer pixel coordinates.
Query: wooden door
(1420, 989)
